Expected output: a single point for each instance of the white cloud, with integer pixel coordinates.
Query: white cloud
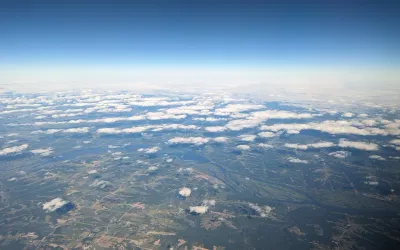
(208, 203)
(323, 144)
(296, 146)
(237, 108)
(340, 154)
(395, 141)
(141, 129)
(43, 151)
(377, 157)
(335, 127)
(185, 192)
(296, 160)
(152, 168)
(265, 146)
(264, 211)
(209, 119)
(215, 129)
(69, 130)
(163, 116)
(248, 138)
(237, 125)
(358, 145)
(94, 171)
(198, 209)
(188, 140)
(220, 139)
(151, 150)
(348, 114)
(256, 118)
(243, 147)
(54, 204)
(13, 150)
(267, 134)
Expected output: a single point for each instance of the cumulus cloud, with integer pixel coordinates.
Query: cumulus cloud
(358, 145)
(324, 144)
(54, 204)
(185, 192)
(198, 209)
(209, 119)
(340, 154)
(237, 108)
(101, 184)
(151, 150)
(258, 117)
(395, 141)
(348, 114)
(267, 134)
(94, 171)
(265, 146)
(69, 130)
(188, 140)
(377, 157)
(296, 160)
(215, 129)
(13, 150)
(296, 146)
(264, 211)
(152, 168)
(243, 147)
(248, 138)
(208, 203)
(220, 139)
(335, 127)
(43, 151)
(141, 129)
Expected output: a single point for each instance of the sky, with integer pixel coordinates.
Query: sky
(49, 37)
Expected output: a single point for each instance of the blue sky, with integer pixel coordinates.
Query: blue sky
(211, 34)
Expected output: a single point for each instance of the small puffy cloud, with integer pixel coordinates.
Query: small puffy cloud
(198, 209)
(296, 146)
(208, 203)
(266, 134)
(101, 184)
(296, 160)
(237, 108)
(220, 139)
(340, 154)
(324, 144)
(243, 147)
(372, 183)
(358, 145)
(248, 138)
(69, 130)
(13, 150)
(163, 116)
(54, 204)
(265, 146)
(152, 168)
(215, 129)
(188, 140)
(348, 114)
(43, 151)
(263, 211)
(94, 171)
(336, 127)
(151, 150)
(363, 115)
(377, 157)
(395, 141)
(185, 192)
(237, 125)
